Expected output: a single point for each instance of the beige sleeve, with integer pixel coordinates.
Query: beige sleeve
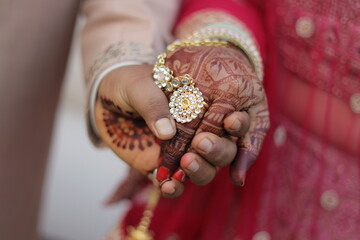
(119, 31)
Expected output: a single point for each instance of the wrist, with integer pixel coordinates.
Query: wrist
(238, 37)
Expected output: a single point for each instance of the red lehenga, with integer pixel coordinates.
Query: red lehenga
(306, 183)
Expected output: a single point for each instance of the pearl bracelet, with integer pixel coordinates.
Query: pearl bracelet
(240, 38)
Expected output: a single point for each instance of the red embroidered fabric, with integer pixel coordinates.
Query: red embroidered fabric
(306, 183)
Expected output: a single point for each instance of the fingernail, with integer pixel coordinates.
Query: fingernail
(163, 182)
(235, 125)
(179, 175)
(171, 191)
(205, 145)
(241, 181)
(164, 127)
(162, 173)
(193, 166)
(168, 187)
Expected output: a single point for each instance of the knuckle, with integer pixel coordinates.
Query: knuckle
(156, 103)
(238, 133)
(156, 107)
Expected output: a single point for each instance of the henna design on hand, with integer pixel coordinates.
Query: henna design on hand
(110, 105)
(129, 137)
(228, 83)
(173, 148)
(127, 133)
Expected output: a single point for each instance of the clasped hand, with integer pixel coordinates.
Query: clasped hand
(132, 113)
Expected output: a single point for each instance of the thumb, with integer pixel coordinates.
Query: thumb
(152, 105)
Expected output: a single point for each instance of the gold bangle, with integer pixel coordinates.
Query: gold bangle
(186, 100)
(240, 38)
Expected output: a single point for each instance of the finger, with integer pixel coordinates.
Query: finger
(172, 188)
(179, 175)
(151, 104)
(131, 91)
(214, 117)
(237, 124)
(213, 123)
(172, 150)
(250, 146)
(197, 169)
(218, 151)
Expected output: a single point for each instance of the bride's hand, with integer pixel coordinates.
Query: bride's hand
(237, 107)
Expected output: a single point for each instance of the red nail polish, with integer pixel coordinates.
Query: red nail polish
(179, 175)
(162, 173)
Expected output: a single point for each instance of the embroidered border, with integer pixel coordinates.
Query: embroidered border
(119, 52)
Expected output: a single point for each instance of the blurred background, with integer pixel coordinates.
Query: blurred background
(79, 176)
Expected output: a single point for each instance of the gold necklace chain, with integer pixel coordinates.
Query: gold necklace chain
(142, 232)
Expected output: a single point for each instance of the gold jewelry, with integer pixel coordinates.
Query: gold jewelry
(239, 37)
(141, 232)
(186, 101)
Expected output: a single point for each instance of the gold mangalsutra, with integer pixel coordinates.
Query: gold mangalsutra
(142, 232)
(186, 101)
